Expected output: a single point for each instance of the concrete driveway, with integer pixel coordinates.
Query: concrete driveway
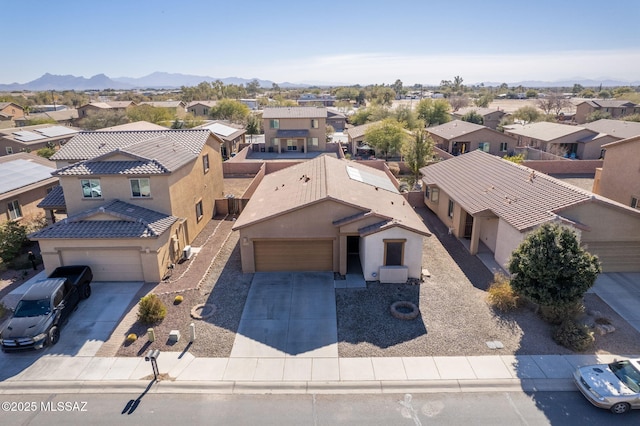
(89, 326)
(288, 314)
(621, 291)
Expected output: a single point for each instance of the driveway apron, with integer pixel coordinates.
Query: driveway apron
(288, 314)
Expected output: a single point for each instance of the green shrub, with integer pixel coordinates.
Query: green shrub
(574, 336)
(151, 310)
(560, 313)
(13, 236)
(500, 294)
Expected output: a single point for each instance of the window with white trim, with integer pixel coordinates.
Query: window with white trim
(450, 209)
(205, 162)
(483, 146)
(140, 188)
(504, 146)
(9, 150)
(14, 210)
(199, 211)
(91, 188)
(635, 202)
(274, 124)
(314, 141)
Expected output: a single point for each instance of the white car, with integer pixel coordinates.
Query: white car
(614, 386)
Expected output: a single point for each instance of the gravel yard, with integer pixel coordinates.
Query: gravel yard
(454, 320)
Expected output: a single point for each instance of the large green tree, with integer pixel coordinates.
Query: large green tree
(417, 152)
(227, 109)
(433, 111)
(551, 269)
(151, 114)
(473, 117)
(102, 119)
(528, 114)
(387, 136)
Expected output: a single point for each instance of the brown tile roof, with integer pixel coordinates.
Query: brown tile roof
(617, 128)
(358, 131)
(481, 182)
(327, 178)
(610, 103)
(136, 125)
(294, 112)
(164, 104)
(544, 131)
(455, 129)
(129, 221)
(481, 111)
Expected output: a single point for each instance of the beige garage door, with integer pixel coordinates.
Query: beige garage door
(293, 255)
(107, 265)
(616, 256)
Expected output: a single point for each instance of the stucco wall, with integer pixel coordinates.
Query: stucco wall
(28, 201)
(563, 166)
(373, 248)
(508, 239)
(620, 177)
(606, 223)
(488, 231)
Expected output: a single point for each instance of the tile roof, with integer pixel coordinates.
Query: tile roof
(205, 103)
(455, 129)
(164, 104)
(87, 145)
(481, 111)
(357, 131)
(544, 131)
(137, 125)
(54, 199)
(129, 221)
(617, 128)
(21, 170)
(481, 182)
(294, 112)
(635, 139)
(327, 178)
(89, 167)
(101, 105)
(610, 103)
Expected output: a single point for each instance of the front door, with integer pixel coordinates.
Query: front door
(468, 225)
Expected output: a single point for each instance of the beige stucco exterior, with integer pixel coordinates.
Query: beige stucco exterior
(499, 144)
(302, 144)
(584, 109)
(174, 194)
(619, 178)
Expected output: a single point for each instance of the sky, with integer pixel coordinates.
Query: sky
(345, 42)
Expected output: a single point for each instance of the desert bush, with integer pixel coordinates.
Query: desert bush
(574, 336)
(500, 294)
(559, 313)
(151, 310)
(394, 168)
(13, 236)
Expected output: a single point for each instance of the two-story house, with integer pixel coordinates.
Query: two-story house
(616, 108)
(295, 129)
(135, 201)
(619, 176)
(93, 107)
(459, 137)
(201, 108)
(490, 117)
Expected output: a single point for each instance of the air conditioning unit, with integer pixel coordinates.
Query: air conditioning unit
(186, 253)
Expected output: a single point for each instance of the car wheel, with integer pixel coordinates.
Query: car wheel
(54, 335)
(620, 408)
(86, 291)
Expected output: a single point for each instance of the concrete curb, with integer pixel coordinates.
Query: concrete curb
(301, 387)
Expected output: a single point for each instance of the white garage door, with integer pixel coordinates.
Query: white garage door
(107, 265)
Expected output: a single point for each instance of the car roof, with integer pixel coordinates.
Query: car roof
(42, 289)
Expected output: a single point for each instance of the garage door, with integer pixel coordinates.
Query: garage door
(616, 256)
(107, 265)
(293, 255)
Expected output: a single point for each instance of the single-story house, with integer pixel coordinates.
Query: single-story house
(559, 139)
(321, 214)
(460, 137)
(495, 202)
(201, 108)
(491, 117)
(615, 108)
(230, 134)
(33, 138)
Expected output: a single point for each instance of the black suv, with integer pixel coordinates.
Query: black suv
(42, 310)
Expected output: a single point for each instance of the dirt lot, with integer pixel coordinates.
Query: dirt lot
(455, 318)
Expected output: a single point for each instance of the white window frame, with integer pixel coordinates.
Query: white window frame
(484, 146)
(504, 146)
(315, 123)
(274, 123)
(91, 183)
(205, 162)
(13, 207)
(9, 150)
(635, 202)
(314, 142)
(450, 208)
(140, 180)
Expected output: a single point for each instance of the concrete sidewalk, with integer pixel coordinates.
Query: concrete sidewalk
(184, 373)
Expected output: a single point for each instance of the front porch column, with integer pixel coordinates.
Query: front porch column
(475, 236)
(342, 254)
(305, 146)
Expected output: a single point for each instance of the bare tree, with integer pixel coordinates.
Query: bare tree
(458, 102)
(553, 103)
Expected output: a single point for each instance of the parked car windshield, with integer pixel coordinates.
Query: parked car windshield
(32, 308)
(627, 373)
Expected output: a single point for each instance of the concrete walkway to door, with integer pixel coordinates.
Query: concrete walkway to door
(288, 314)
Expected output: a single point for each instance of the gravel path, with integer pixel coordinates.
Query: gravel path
(455, 318)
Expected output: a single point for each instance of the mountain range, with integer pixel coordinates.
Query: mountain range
(163, 80)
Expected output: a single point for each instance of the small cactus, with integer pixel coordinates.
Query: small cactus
(178, 299)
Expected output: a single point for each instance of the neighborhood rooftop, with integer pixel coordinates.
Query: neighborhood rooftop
(454, 129)
(617, 128)
(87, 145)
(483, 182)
(323, 178)
(543, 130)
(294, 112)
(21, 170)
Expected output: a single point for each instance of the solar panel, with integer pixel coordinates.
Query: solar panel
(221, 129)
(371, 179)
(26, 136)
(18, 173)
(53, 131)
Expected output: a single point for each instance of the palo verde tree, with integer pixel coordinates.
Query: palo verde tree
(551, 269)
(473, 117)
(417, 152)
